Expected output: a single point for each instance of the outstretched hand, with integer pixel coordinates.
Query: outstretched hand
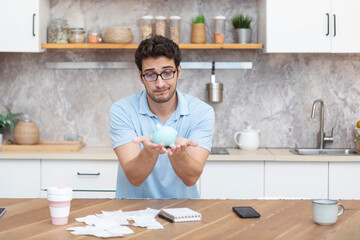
(180, 146)
(149, 146)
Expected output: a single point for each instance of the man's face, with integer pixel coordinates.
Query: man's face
(160, 91)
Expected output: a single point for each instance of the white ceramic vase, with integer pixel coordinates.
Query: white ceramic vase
(244, 35)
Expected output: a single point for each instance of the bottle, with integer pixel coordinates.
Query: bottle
(175, 28)
(160, 25)
(58, 31)
(219, 29)
(76, 35)
(146, 26)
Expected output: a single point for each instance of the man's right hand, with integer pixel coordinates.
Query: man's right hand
(149, 146)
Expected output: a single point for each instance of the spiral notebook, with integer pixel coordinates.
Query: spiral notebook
(180, 215)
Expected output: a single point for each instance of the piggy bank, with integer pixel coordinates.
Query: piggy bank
(165, 135)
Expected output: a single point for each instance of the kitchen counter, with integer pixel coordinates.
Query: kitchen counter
(235, 154)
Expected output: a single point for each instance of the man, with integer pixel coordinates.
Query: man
(149, 170)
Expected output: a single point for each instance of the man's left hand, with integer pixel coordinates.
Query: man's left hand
(180, 146)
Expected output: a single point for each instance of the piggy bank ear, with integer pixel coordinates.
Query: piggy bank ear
(158, 126)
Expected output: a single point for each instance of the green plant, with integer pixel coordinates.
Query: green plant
(199, 19)
(8, 120)
(241, 21)
(357, 136)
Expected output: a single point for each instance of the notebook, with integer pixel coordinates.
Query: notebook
(180, 215)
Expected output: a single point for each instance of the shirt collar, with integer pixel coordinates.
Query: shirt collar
(181, 109)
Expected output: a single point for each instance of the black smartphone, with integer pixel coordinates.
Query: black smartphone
(246, 212)
(2, 211)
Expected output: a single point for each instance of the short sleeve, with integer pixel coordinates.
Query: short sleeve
(121, 128)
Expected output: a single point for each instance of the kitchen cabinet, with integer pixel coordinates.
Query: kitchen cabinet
(23, 25)
(20, 178)
(92, 178)
(294, 180)
(344, 180)
(309, 26)
(232, 179)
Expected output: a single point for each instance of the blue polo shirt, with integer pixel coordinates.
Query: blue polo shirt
(131, 117)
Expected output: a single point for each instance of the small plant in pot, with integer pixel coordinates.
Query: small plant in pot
(8, 121)
(198, 30)
(242, 25)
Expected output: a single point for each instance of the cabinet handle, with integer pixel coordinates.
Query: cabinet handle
(88, 174)
(334, 25)
(328, 24)
(33, 28)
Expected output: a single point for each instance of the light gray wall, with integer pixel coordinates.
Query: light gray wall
(275, 96)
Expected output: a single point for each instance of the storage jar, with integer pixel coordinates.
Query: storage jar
(77, 35)
(58, 31)
(93, 36)
(146, 26)
(219, 29)
(175, 28)
(160, 25)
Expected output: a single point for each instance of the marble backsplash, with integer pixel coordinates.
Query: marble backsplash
(275, 96)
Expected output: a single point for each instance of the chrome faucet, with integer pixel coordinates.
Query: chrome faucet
(322, 138)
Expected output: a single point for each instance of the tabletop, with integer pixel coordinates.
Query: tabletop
(280, 219)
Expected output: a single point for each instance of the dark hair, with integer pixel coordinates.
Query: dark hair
(157, 46)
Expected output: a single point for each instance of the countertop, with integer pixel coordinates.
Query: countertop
(235, 154)
(280, 219)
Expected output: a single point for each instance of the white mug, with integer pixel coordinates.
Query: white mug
(326, 211)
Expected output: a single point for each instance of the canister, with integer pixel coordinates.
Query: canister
(160, 25)
(175, 28)
(219, 29)
(76, 35)
(215, 92)
(146, 26)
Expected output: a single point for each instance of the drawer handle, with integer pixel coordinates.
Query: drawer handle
(88, 174)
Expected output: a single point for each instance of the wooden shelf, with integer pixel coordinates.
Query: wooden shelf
(134, 46)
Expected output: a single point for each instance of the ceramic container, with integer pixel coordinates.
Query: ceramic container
(248, 139)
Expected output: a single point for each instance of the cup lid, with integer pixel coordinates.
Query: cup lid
(59, 190)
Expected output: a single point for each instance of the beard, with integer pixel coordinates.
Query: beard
(163, 98)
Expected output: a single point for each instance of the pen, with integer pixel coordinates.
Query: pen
(165, 217)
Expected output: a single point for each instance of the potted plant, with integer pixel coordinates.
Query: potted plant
(241, 24)
(8, 121)
(357, 137)
(198, 29)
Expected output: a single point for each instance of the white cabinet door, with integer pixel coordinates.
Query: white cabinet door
(23, 25)
(20, 179)
(295, 26)
(238, 180)
(346, 38)
(81, 175)
(344, 180)
(296, 180)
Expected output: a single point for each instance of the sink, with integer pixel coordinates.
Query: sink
(314, 151)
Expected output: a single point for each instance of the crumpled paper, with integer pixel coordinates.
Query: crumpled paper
(114, 224)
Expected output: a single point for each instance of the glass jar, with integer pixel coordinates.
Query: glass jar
(58, 31)
(175, 28)
(146, 26)
(93, 36)
(160, 25)
(76, 35)
(219, 29)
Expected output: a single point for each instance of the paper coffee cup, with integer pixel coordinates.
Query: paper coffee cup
(59, 198)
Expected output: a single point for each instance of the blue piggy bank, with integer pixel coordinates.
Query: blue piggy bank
(165, 135)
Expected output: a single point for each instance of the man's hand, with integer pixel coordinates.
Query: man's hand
(149, 146)
(180, 146)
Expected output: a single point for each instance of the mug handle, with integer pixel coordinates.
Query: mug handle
(235, 137)
(341, 209)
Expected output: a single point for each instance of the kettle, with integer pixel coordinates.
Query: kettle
(249, 138)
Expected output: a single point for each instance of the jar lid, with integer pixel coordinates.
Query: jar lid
(77, 29)
(220, 17)
(147, 17)
(175, 17)
(160, 17)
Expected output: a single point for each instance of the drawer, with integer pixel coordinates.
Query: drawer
(80, 174)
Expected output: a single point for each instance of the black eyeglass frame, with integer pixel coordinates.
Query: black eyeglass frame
(160, 74)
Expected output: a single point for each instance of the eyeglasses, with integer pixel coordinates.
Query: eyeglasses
(152, 77)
